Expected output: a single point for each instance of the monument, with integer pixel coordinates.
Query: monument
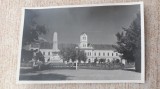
(55, 42)
(55, 58)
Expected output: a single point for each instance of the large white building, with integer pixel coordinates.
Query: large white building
(93, 51)
(97, 51)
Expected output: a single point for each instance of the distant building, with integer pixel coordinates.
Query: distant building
(97, 51)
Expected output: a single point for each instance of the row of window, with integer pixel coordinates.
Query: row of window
(90, 54)
(49, 53)
(84, 45)
(101, 54)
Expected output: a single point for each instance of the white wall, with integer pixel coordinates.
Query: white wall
(46, 55)
(101, 54)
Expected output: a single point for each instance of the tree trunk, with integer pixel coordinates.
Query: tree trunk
(138, 59)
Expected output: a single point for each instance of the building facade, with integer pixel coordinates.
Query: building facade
(92, 51)
(97, 51)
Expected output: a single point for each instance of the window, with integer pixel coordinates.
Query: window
(94, 54)
(116, 54)
(48, 53)
(99, 54)
(43, 53)
(84, 45)
(89, 61)
(84, 38)
(103, 54)
(112, 54)
(108, 54)
(90, 53)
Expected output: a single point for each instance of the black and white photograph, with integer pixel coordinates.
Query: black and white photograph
(102, 43)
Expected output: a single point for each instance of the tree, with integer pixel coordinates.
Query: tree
(40, 57)
(31, 30)
(26, 55)
(81, 55)
(31, 33)
(129, 43)
(95, 60)
(102, 60)
(69, 51)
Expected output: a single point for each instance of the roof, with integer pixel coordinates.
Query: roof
(46, 45)
(103, 47)
(35, 45)
(83, 33)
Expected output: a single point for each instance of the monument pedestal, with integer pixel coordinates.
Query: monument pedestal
(56, 59)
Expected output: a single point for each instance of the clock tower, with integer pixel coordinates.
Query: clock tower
(83, 40)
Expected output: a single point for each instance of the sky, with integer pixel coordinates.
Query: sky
(99, 23)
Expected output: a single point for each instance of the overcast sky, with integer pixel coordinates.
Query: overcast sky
(100, 23)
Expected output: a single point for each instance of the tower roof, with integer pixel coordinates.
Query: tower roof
(83, 33)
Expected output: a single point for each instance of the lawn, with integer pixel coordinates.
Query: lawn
(80, 74)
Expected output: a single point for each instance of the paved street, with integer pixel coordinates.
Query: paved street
(80, 74)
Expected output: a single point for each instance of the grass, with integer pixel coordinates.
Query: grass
(80, 74)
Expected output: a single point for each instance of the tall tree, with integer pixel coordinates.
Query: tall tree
(31, 33)
(129, 43)
(31, 30)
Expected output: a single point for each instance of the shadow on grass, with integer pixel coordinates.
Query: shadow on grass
(31, 70)
(133, 70)
(23, 71)
(43, 77)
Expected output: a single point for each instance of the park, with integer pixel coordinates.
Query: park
(66, 73)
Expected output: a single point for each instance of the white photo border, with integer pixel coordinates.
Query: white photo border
(142, 80)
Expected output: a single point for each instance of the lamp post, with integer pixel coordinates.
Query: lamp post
(77, 58)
